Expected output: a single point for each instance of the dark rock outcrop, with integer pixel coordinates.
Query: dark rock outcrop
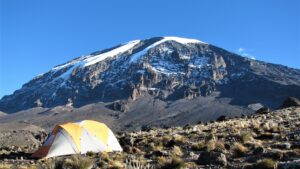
(263, 110)
(290, 102)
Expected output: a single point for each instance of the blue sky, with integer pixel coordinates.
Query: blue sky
(37, 35)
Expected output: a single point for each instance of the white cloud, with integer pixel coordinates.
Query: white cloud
(242, 51)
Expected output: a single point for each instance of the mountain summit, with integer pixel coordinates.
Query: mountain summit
(171, 74)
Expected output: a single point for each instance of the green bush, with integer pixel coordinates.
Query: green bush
(246, 137)
(266, 164)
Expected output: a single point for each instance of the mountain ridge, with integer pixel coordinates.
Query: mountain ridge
(168, 71)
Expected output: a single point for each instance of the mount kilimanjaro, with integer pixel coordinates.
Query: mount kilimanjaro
(159, 81)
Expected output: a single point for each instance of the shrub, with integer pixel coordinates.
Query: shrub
(177, 151)
(116, 165)
(210, 136)
(191, 165)
(266, 164)
(174, 163)
(179, 140)
(54, 163)
(79, 162)
(158, 147)
(166, 139)
(246, 136)
(219, 146)
(162, 160)
(239, 150)
(198, 146)
(134, 164)
(104, 156)
(210, 145)
(215, 145)
(118, 156)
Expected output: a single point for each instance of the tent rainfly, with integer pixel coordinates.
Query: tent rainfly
(78, 138)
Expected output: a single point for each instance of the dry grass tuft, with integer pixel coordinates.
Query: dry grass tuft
(239, 150)
(198, 146)
(215, 145)
(79, 162)
(116, 165)
(177, 151)
(174, 163)
(246, 137)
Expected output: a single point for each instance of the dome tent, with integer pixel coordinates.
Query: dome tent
(78, 138)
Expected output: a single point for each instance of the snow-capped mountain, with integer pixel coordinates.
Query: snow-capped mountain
(165, 69)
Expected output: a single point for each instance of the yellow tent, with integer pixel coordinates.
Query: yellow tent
(80, 137)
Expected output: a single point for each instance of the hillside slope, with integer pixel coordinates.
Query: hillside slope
(261, 141)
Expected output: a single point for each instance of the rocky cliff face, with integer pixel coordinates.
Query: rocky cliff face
(165, 68)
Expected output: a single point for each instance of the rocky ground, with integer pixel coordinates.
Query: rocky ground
(263, 140)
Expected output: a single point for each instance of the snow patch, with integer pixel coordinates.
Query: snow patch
(165, 71)
(201, 62)
(192, 65)
(92, 59)
(182, 40)
(185, 57)
(114, 52)
(134, 58)
(141, 71)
